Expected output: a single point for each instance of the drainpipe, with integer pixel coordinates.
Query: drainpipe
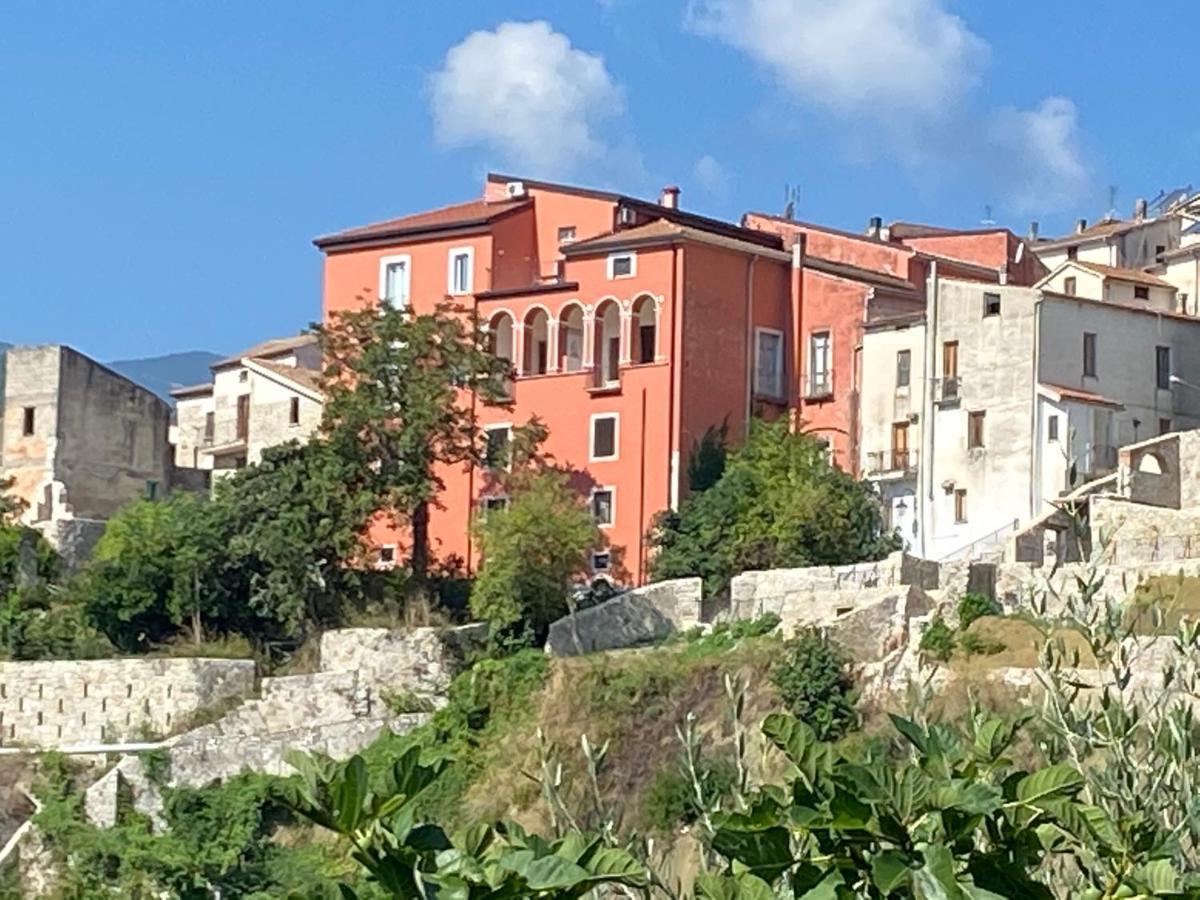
(797, 313)
(749, 341)
(927, 427)
(1035, 451)
(673, 435)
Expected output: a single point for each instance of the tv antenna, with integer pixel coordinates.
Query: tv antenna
(987, 215)
(1112, 201)
(791, 196)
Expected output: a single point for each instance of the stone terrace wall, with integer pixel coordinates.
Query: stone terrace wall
(1133, 534)
(639, 616)
(831, 588)
(421, 660)
(67, 702)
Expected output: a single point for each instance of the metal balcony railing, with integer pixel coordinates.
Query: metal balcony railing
(947, 390)
(818, 385)
(891, 462)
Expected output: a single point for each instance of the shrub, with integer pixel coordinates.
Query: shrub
(974, 645)
(974, 606)
(938, 641)
(671, 800)
(814, 684)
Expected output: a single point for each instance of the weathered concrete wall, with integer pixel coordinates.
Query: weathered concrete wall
(31, 381)
(53, 703)
(638, 616)
(420, 660)
(754, 593)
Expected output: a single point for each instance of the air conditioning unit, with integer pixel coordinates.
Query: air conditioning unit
(626, 216)
(515, 189)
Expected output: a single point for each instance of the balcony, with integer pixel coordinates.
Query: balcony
(892, 463)
(1098, 461)
(947, 391)
(818, 386)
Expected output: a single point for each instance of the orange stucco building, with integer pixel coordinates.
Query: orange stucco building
(632, 327)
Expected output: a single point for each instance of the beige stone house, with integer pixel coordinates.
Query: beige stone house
(79, 441)
(264, 396)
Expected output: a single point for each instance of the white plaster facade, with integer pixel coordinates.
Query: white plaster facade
(267, 396)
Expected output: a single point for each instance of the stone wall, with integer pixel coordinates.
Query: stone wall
(1131, 534)
(639, 616)
(830, 587)
(421, 660)
(65, 702)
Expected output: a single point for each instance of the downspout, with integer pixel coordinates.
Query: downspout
(641, 571)
(1035, 461)
(471, 468)
(749, 342)
(674, 400)
(927, 428)
(797, 315)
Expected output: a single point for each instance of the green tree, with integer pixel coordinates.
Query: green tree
(779, 503)
(534, 552)
(11, 506)
(402, 393)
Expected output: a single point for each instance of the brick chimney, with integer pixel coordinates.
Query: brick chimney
(669, 197)
(1081, 226)
(1139, 209)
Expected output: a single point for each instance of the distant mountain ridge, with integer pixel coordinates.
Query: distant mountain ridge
(161, 374)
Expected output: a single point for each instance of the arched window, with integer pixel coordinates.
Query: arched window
(500, 336)
(570, 339)
(645, 330)
(608, 343)
(537, 342)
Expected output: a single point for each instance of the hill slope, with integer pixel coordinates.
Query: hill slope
(162, 373)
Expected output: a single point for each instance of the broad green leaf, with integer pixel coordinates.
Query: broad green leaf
(1055, 781)
(553, 873)
(826, 888)
(765, 852)
(889, 870)
(912, 731)
(1159, 877)
(350, 792)
(790, 735)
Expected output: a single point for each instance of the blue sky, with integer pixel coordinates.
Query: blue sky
(164, 166)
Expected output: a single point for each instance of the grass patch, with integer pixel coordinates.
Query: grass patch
(1160, 603)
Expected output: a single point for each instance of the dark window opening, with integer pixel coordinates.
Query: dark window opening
(495, 454)
(1089, 354)
(1141, 292)
(975, 422)
(1162, 367)
(27, 421)
(294, 411)
(991, 304)
(903, 368)
(960, 506)
(1052, 425)
(604, 437)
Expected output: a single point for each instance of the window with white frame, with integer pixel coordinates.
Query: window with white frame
(601, 561)
(387, 556)
(604, 506)
(395, 280)
(768, 362)
(605, 434)
(496, 450)
(492, 504)
(819, 363)
(461, 275)
(622, 265)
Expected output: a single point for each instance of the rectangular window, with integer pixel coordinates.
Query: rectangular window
(604, 437)
(210, 427)
(899, 446)
(1089, 354)
(960, 506)
(991, 305)
(495, 451)
(1052, 428)
(1162, 367)
(1069, 285)
(903, 368)
(1159, 250)
(601, 561)
(768, 363)
(1141, 292)
(395, 279)
(294, 411)
(647, 339)
(1072, 253)
(151, 490)
(493, 504)
(950, 359)
(604, 506)
(387, 555)
(566, 234)
(975, 422)
(461, 275)
(28, 420)
(1164, 426)
(243, 417)
(622, 265)
(820, 382)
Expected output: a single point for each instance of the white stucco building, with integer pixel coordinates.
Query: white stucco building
(265, 396)
(1000, 398)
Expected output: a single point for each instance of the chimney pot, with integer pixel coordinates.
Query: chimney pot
(1033, 230)
(1081, 226)
(875, 226)
(669, 198)
(1139, 208)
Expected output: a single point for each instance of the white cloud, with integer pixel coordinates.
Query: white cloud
(889, 57)
(1041, 156)
(528, 95)
(709, 174)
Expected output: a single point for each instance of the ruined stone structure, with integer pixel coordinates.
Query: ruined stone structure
(80, 441)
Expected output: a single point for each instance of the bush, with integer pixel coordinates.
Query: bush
(973, 645)
(814, 685)
(938, 641)
(975, 606)
(671, 800)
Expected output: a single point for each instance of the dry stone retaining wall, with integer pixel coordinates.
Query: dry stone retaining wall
(50, 704)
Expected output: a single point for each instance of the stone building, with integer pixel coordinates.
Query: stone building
(264, 396)
(79, 440)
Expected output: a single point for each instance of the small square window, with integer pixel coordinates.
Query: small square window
(493, 504)
(1052, 428)
(1141, 292)
(601, 561)
(1072, 253)
(495, 452)
(294, 411)
(622, 265)
(1069, 286)
(243, 376)
(604, 508)
(387, 555)
(566, 234)
(604, 437)
(991, 305)
(28, 421)
(1164, 426)
(1159, 250)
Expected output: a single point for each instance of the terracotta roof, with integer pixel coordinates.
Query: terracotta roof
(1079, 395)
(309, 379)
(267, 349)
(1132, 275)
(662, 231)
(857, 273)
(900, 231)
(1139, 308)
(460, 215)
(192, 390)
(1102, 229)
